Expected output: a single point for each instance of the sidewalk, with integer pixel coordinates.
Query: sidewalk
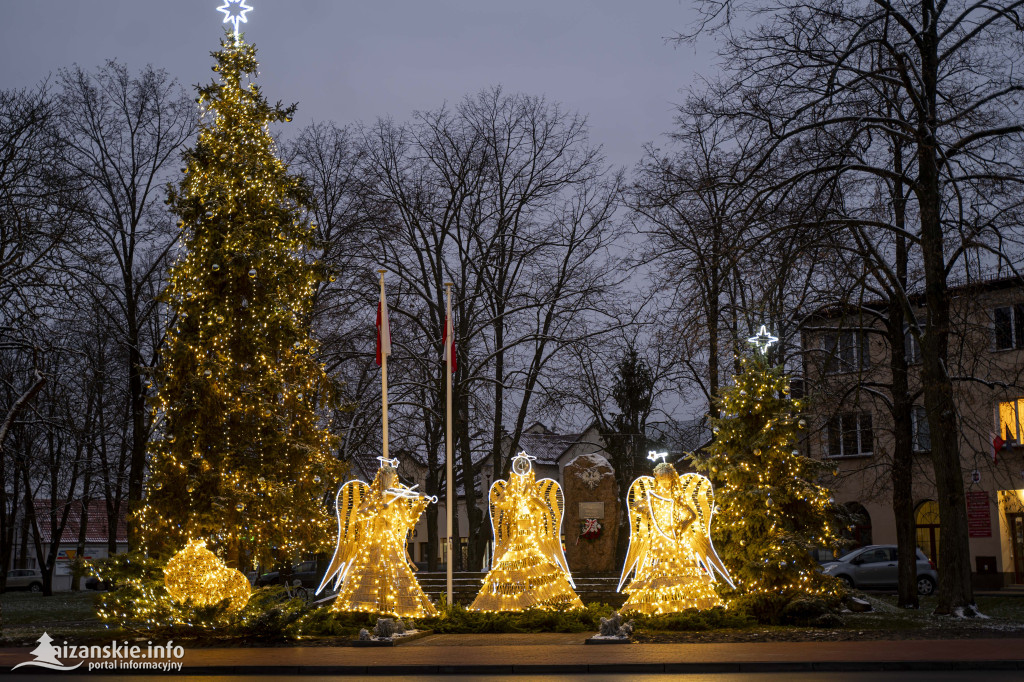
(566, 654)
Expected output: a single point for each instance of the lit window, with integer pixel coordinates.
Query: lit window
(1009, 327)
(919, 425)
(1011, 420)
(849, 435)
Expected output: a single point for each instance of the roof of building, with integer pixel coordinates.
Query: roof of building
(956, 286)
(96, 527)
(679, 436)
(549, 447)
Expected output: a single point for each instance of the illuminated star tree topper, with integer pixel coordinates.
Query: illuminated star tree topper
(234, 12)
(762, 340)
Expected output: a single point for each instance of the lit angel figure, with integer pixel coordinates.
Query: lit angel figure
(371, 564)
(670, 547)
(528, 569)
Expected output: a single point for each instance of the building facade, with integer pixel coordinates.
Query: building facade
(848, 362)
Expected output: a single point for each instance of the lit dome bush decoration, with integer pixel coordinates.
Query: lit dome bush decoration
(196, 574)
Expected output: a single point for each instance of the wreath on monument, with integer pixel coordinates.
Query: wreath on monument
(590, 529)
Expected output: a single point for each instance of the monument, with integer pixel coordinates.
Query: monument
(591, 514)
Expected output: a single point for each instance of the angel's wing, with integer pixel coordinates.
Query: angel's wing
(699, 495)
(350, 497)
(550, 536)
(500, 520)
(639, 525)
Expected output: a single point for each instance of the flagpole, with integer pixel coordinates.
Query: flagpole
(384, 376)
(450, 334)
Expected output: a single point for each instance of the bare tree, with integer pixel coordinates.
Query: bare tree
(119, 133)
(37, 198)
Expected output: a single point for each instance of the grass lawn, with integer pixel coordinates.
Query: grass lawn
(1005, 618)
(66, 614)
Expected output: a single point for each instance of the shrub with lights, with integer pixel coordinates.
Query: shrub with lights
(773, 509)
(242, 458)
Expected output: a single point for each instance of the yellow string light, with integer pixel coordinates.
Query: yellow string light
(371, 563)
(529, 569)
(670, 551)
(241, 454)
(196, 574)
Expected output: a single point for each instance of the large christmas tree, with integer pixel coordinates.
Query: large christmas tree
(242, 458)
(773, 511)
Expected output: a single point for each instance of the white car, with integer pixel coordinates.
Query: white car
(25, 579)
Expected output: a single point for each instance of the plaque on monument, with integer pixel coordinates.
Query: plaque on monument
(591, 510)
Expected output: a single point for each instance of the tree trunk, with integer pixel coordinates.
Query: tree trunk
(473, 531)
(955, 591)
(902, 462)
(140, 434)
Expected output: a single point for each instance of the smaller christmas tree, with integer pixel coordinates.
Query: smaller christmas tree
(773, 511)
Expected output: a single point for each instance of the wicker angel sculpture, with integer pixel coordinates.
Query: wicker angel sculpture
(670, 547)
(528, 568)
(371, 564)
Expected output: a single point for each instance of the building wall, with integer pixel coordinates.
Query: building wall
(986, 375)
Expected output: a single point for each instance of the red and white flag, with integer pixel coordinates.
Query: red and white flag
(383, 327)
(448, 337)
(997, 445)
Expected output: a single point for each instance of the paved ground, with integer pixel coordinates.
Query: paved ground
(565, 654)
(925, 676)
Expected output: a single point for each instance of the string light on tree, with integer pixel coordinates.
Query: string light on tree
(242, 456)
(773, 511)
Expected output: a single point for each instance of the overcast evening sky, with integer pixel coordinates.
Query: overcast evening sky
(354, 61)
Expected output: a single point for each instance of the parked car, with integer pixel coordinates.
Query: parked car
(875, 567)
(94, 583)
(305, 572)
(25, 579)
(823, 555)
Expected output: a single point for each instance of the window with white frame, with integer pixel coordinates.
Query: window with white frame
(847, 351)
(849, 435)
(1008, 323)
(1011, 420)
(919, 426)
(911, 347)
